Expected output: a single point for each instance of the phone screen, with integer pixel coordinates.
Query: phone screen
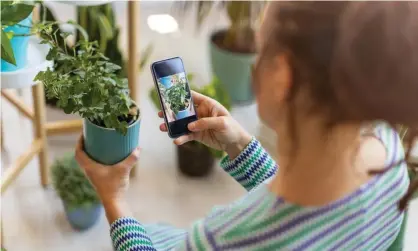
(175, 96)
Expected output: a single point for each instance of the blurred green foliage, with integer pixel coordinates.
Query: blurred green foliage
(71, 184)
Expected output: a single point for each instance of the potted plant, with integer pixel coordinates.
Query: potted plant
(196, 159)
(87, 84)
(232, 50)
(16, 19)
(81, 203)
(176, 97)
(99, 22)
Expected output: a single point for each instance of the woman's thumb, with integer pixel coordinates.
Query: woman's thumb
(213, 123)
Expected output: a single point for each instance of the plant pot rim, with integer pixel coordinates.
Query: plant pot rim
(237, 54)
(112, 129)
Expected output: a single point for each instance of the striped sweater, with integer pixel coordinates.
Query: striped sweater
(367, 219)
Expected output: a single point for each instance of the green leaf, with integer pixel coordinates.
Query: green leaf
(52, 54)
(16, 12)
(6, 49)
(5, 4)
(110, 67)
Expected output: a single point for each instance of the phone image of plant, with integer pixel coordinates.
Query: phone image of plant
(176, 97)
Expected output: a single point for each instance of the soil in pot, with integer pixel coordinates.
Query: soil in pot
(194, 159)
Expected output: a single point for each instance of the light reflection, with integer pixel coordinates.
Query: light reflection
(162, 23)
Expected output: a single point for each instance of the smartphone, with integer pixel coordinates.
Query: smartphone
(173, 89)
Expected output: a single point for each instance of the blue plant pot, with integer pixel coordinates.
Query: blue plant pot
(166, 82)
(183, 114)
(233, 71)
(107, 146)
(19, 45)
(83, 217)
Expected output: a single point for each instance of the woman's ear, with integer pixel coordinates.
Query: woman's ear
(282, 78)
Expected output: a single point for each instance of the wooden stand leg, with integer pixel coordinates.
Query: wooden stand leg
(40, 130)
(133, 62)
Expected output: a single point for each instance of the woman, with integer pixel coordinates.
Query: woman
(325, 73)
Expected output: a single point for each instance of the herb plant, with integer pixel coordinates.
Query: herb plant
(176, 96)
(86, 83)
(71, 184)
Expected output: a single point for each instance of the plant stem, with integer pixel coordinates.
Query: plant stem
(65, 46)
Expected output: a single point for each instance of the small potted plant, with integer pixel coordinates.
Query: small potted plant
(176, 97)
(16, 19)
(87, 84)
(196, 159)
(232, 50)
(81, 203)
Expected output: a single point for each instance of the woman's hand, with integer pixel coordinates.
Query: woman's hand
(215, 128)
(110, 182)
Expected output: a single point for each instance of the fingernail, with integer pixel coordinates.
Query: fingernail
(192, 126)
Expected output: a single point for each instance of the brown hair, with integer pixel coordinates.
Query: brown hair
(358, 60)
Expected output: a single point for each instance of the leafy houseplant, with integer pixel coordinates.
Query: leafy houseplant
(15, 28)
(194, 158)
(100, 24)
(81, 203)
(233, 49)
(87, 84)
(176, 96)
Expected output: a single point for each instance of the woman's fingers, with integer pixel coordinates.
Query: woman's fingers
(160, 114)
(184, 139)
(198, 98)
(163, 127)
(213, 123)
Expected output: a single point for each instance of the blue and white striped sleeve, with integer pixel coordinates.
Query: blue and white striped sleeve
(128, 234)
(252, 166)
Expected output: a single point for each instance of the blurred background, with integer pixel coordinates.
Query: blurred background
(166, 187)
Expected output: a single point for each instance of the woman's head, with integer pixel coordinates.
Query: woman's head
(350, 61)
(338, 63)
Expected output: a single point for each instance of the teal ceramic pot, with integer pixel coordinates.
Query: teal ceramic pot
(183, 114)
(107, 146)
(83, 217)
(233, 71)
(19, 45)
